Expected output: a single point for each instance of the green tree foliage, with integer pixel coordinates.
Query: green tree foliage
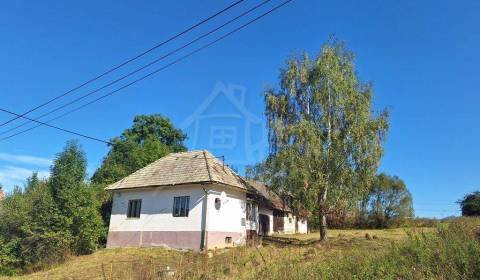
(32, 231)
(12, 216)
(46, 239)
(76, 199)
(325, 142)
(470, 204)
(50, 219)
(390, 202)
(150, 138)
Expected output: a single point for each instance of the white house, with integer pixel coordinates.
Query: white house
(192, 200)
(274, 215)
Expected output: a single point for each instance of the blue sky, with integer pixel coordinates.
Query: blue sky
(421, 57)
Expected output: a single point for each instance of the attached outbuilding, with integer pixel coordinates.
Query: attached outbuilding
(275, 216)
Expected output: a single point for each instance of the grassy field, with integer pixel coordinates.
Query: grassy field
(235, 263)
(449, 251)
(336, 234)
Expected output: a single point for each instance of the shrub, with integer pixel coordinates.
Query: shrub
(470, 204)
(9, 256)
(42, 224)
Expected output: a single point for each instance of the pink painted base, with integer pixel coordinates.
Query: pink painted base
(172, 239)
(217, 239)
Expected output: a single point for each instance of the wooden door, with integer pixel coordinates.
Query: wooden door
(264, 223)
(278, 221)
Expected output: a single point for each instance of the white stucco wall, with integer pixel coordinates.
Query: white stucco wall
(269, 213)
(230, 213)
(289, 224)
(156, 216)
(225, 222)
(157, 207)
(228, 218)
(302, 226)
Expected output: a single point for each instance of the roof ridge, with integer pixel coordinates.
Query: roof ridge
(185, 152)
(124, 178)
(225, 167)
(206, 163)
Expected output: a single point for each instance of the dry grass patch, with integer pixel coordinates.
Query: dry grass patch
(235, 263)
(335, 234)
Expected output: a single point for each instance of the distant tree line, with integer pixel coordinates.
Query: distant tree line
(387, 204)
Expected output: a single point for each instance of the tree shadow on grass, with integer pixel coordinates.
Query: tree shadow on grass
(288, 241)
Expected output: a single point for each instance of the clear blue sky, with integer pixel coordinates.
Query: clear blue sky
(420, 55)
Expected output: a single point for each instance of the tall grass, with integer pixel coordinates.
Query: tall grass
(452, 251)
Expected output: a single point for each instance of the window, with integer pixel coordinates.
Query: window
(181, 206)
(134, 208)
(218, 203)
(251, 212)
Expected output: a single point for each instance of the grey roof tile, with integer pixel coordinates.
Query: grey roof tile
(181, 168)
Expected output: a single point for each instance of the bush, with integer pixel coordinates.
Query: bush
(50, 219)
(41, 251)
(9, 256)
(470, 204)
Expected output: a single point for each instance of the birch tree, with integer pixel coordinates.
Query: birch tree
(325, 141)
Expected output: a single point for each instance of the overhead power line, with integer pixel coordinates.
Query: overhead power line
(155, 71)
(124, 63)
(140, 68)
(58, 128)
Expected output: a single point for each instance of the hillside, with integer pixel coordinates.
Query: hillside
(243, 263)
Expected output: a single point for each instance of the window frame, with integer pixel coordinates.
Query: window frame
(181, 206)
(251, 212)
(134, 209)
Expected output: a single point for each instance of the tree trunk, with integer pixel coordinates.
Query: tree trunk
(322, 214)
(322, 200)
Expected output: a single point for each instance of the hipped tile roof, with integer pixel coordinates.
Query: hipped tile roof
(179, 169)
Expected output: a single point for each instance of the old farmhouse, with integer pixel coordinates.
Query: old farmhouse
(192, 200)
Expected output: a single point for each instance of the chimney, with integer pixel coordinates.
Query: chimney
(1, 193)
